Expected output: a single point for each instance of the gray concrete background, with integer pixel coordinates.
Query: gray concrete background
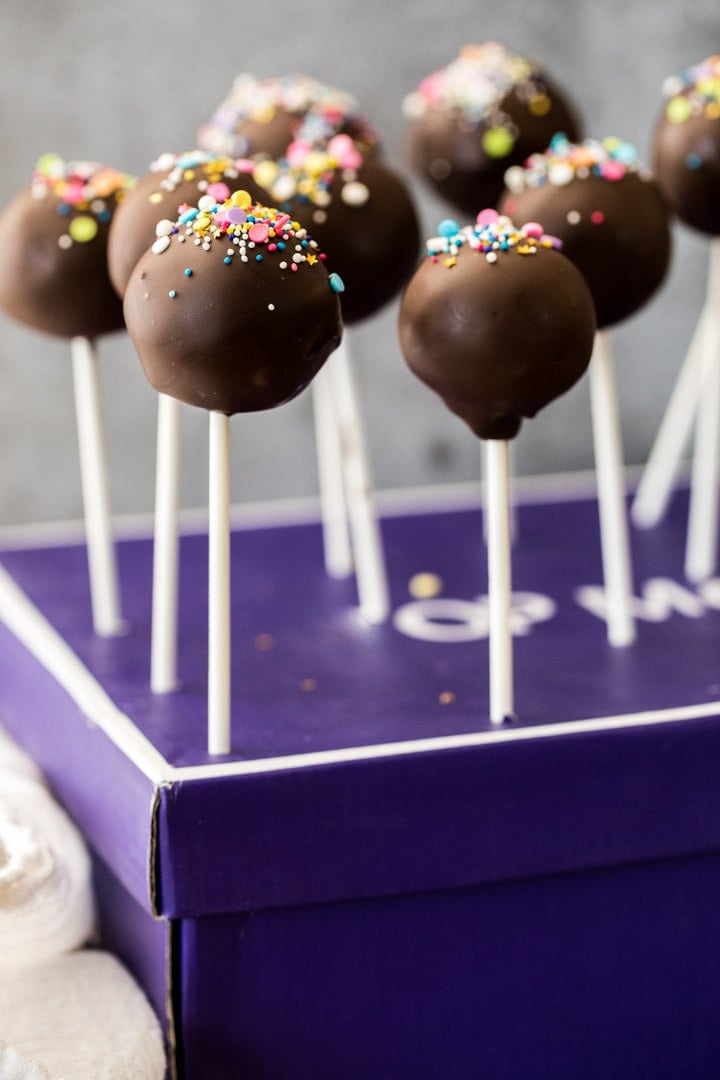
(122, 82)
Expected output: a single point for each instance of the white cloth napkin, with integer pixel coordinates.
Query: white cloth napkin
(78, 1017)
(46, 900)
(66, 1013)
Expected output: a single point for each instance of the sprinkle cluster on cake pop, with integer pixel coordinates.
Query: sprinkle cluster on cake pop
(686, 146)
(486, 110)
(496, 321)
(360, 212)
(265, 115)
(608, 211)
(233, 309)
(53, 244)
(173, 180)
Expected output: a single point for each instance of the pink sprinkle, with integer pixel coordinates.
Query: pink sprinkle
(236, 215)
(344, 150)
(280, 222)
(597, 217)
(73, 193)
(293, 267)
(612, 170)
(244, 165)
(259, 232)
(487, 217)
(219, 191)
(272, 247)
(533, 229)
(297, 152)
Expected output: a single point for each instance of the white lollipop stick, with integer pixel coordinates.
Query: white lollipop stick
(660, 473)
(163, 653)
(104, 594)
(663, 465)
(366, 539)
(483, 474)
(614, 536)
(497, 510)
(702, 535)
(219, 587)
(333, 509)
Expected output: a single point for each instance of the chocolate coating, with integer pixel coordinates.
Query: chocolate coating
(448, 143)
(373, 244)
(497, 341)
(156, 196)
(234, 337)
(686, 160)
(620, 242)
(60, 290)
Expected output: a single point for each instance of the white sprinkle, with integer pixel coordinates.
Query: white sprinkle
(298, 258)
(181, 239)
(97, 206)
(491, 256)
(243, 258)
(206, 246)
(164, 227)
(197, 241)
(231, 251)
(561, 173)
(319, 217)
(573, 217)
(64, 241)
(206, 202)
(161, 244)
(355, 194)
(271, 307)
(515, 179)
(283, 266)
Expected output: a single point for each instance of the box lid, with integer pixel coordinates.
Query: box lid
(363, 761)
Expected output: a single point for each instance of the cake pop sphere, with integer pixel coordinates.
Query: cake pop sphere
(609, 213)
(174, 180)
(53, 239)
(263, 116)
(497, 322)
(232, 309)
(360, 212)
(486, 110)
(686, 146)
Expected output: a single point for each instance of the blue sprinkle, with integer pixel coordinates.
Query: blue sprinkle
(227, 260)
(63, 209)
(448, 227)
(188, 272)
(336, 283)
(258, 258)
(281, 245)
(189, 215)
(693, 161)
(304, 243)
(104, 215)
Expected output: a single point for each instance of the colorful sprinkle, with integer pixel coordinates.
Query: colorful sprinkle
(491, 234)
(696, 92)
(565, 161)
(83, 229)
(336, 283)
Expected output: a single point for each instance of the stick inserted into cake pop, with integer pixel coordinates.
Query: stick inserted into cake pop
(686, 159)
(499, 324)
(235, 312)
(315, 154)
(613, 223)
(53, 277)
(145, 217)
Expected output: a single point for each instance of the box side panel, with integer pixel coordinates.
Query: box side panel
(110, 799)
(444, 819)
(598, 974)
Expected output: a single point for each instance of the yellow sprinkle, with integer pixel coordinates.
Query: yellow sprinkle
(311, 259)
(83, 228)
(712, 110)
(155, 198)
(446, 698)
(202, 221)
(450, 262)
(424, 585)
(265, 173)
(189, 174)
(241, 199)
(525, 249)
(539, 105)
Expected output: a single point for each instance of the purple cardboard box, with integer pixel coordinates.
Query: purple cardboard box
(376, 883)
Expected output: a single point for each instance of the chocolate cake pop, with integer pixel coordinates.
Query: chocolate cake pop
(686, 146)
(359, 211)
(488, 109)
(174, 180)
(497, 322)
(609, 213)
(232, 309)
(53, 239)
(263, 116)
